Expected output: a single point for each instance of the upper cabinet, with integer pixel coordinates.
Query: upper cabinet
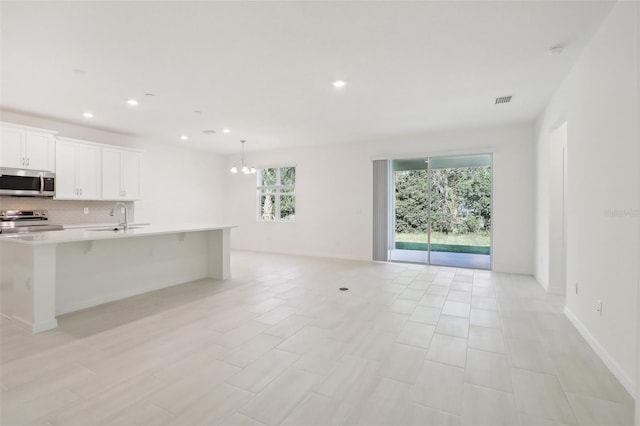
(23, 147)
(121, 171)
(90, 171)
(84, 170)
(78, 175)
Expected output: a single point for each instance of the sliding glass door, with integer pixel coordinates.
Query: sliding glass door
(410, 227)
(442, 210)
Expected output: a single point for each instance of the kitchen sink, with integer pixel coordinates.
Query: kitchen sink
(115, 229)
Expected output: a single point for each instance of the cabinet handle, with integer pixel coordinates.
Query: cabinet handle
(80, 191)
(23, 161)
(125, 192)
(27, 161)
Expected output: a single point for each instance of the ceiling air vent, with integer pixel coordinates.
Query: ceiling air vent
(209, 132)
(503, 99)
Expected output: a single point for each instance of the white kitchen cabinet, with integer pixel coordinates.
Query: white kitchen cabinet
(23, 147)
(131, 174)
(121, 171)
(78, 171)
(12, 154)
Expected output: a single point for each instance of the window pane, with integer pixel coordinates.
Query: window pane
(287, 191)
(268, 177)
(288, 176)
(267, 205)
(287, 207)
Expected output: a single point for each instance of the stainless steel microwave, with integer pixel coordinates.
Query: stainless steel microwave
(27, 183)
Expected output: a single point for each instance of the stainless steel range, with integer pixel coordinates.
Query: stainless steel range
(14, 221)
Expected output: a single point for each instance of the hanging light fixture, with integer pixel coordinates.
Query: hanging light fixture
(244, 168)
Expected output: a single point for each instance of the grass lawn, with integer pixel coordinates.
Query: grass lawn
(481, 239)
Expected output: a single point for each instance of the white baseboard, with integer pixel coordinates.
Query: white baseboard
(34, 328)
(22, 323)
(321, 255)
(626, 381)
(45, 325)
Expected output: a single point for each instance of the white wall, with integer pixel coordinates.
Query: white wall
(179, 184)
(637, 422)
(599, 100)
(335, 194)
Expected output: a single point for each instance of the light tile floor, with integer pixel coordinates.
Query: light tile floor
(280, 344)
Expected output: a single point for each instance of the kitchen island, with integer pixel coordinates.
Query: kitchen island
(52, 273)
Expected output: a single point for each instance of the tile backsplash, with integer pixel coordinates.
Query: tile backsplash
(63, 212)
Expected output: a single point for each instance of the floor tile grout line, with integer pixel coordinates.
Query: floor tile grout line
(459, 416)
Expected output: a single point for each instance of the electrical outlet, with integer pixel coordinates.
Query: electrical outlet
(86, 210)
(599, 306)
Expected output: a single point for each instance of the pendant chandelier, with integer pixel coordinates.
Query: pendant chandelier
(244, 168)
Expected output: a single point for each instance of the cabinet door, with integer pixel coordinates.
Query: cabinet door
(38, 147)
(11, 148)
(131, 175)
(111, 174)
(89, 170)
(66, 170)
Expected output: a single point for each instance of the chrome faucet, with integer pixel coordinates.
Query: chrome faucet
(125, 224)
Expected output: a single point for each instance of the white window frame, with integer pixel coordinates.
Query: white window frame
(278, 188)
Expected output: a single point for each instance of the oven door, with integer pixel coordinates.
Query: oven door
(27, 183)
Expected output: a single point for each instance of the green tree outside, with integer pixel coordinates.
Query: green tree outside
(460, 205)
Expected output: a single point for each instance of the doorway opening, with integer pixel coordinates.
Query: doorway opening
(557, 200)
(442, 210)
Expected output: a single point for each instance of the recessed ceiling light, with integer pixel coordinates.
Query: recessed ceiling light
(87, 115)
(339, 84)
(184, 137)
(132, 102)
(209, 132)
(226, 131)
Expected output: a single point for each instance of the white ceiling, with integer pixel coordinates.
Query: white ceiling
(264, 69)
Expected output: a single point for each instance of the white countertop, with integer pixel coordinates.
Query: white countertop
(75, 235)
(101, 225)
